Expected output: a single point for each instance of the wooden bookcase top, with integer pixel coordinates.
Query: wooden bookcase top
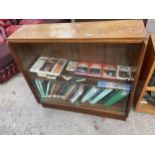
(121, 30)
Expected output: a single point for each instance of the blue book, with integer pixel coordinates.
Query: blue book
(104, 93)
(113, 85)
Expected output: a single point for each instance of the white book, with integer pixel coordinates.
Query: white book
(38, 64)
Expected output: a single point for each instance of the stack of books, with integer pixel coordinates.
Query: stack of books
(48, 67)
(73, 89)
(101, 70)
(80, 93)
(51, 68)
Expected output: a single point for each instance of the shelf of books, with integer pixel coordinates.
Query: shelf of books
(82, 67)
(86, 85)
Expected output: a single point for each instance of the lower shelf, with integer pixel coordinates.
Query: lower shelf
(146, 108)
(117, 111)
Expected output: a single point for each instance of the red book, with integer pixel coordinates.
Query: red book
(95, 70)
(109, 71)
(82, 68)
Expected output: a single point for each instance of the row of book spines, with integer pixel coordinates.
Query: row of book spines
(92, 96)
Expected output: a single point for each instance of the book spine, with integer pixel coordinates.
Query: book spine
(89, 94)
(38, 87)
(48, 87)
(115, 98)
(41, 87)
(77, 94)
(69, 92)
(101, 96)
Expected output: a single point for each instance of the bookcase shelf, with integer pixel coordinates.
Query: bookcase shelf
(143, 87)
(110, 42)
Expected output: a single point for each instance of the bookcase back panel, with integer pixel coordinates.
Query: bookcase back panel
(108, 53)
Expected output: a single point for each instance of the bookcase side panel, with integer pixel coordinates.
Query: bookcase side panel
(24, 56)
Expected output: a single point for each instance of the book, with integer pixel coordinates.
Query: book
(90, 93)
(64, 88)
(58, 67)
(113, 85)
(69, 92)
(110, 71)
(48, 87)
(52, 90)
(82, 68)
(78, 79)
(95, 70)
(77, 94)
(40, 88)
(101, 95)
(66, 77)
(115, 97)
(47, 67)
(71, 66)
(123, 72)
(56, 89)
(38, 64)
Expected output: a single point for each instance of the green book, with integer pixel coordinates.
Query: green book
(104, 93)
(41, 87)
(115, 97)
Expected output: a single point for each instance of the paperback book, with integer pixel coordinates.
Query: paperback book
(113, 85)
(48, 67)
(123, 72)
(71, 66)
(82, 68)
(110, 71)
(95, 70)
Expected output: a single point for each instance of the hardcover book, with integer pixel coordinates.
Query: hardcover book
(115, 97)
(110, 71)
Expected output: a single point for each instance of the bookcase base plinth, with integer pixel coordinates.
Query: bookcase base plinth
(68, 107)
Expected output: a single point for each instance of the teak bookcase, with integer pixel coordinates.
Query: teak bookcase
(148, 68)
(107, 42)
